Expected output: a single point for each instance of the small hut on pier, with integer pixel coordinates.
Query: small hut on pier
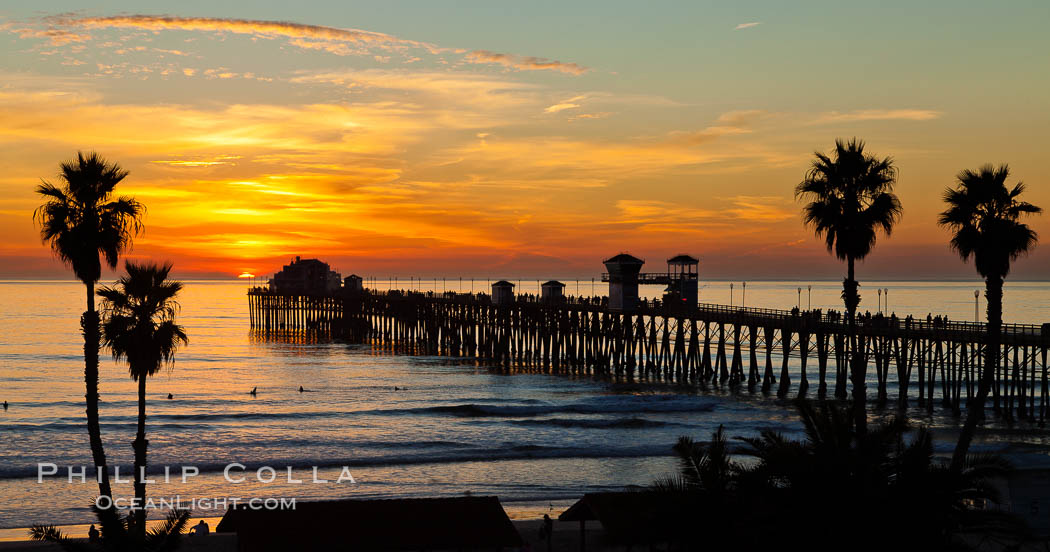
(502, 293)
(354, 282)
(552, 291)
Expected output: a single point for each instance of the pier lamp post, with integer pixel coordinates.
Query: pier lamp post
(886, 294)
(592, 287)
(799, 306)
(809, 297)
(743, 295)
(730, 294)
(976, 296)
(880, 299)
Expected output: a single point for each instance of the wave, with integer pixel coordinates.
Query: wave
(484, 408)
(617, 423)
(475, 410)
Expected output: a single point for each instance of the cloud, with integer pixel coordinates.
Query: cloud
(562, 106)
(56, 37)
(877, 115)
(599, 115)
(244, 26)
(527, 63)
(760, 208)
(741, 118)
(747, 25)
(728, 123)
(334, 40)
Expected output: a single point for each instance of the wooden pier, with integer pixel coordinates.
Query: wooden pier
(762, 350)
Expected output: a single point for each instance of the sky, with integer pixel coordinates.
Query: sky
(499, 139)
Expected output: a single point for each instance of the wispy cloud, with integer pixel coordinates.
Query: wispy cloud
(55, 36)
(526, 63)
(334, 40)
(567, 104)
(598, 115)
(877, 115)
(729, 123)
(242, 26)
(747, 25)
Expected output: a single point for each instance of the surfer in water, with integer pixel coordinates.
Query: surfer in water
(252, 392)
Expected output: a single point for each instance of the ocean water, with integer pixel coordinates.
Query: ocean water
(452, 427)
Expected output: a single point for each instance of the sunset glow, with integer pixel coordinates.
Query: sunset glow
(388, 146)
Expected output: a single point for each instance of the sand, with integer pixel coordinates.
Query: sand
(566, 537)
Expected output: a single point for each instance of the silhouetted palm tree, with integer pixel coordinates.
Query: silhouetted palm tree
(139, 328)
(82, 225)
(701, 467)
(849, 198)
(886, 477)
(115, 534)
(984, 216)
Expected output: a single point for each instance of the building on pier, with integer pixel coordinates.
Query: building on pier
(552, 291)
(502, 293)
(624, 276)
(623, 281)
(307, 276)
(354, 282)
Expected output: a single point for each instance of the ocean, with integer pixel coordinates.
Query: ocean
(451, 427)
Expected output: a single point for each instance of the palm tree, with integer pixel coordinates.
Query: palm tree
(701, 467)
(139, 328)
(849, 199)
(115, 534)
(886, 477)
(881, 477)
(83, 226)
(984, 216)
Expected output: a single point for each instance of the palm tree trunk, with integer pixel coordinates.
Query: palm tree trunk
(90, 328)
(993, 291)
(856, 358)
(139, 446)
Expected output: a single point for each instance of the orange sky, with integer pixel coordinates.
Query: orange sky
(397, 149)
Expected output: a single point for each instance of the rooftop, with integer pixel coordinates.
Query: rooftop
(624, 258)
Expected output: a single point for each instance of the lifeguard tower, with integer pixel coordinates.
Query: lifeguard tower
(683, 277)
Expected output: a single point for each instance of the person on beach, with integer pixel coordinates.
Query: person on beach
(201, 529)
(93, 534)
(547, 531)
